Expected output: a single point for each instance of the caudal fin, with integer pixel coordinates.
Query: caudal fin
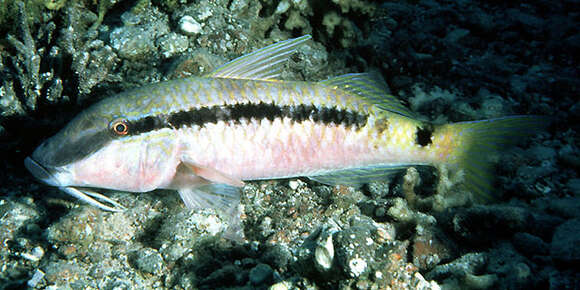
(480, 140)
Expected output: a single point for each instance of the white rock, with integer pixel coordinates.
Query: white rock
(189, 26)
(283, 6)
(35, 256)
(293, 184)
(357, 266)
(36, 277)
(324, 253)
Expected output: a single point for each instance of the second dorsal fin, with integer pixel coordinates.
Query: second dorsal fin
(263, 64)
(369, 87)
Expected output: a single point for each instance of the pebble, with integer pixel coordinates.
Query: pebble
(132, 42)
(149, 261)
(324, 253)
(172, 44)
(565, 247)
(35, 255)
(574, 186)
(529, 245)
(293, 184)
(261, 274)
(36, 278)
(356, 267)
(282, 7)
(567, 207)
(135, 40)
(284, 285)
(430, 247)
(189, 26)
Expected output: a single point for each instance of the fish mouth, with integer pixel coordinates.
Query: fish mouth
(40, 172)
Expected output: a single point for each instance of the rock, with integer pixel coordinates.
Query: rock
(149, 261)
(574, 185)
(171, 252)
(172, 44)
(34, 255)
(189, 26)
(75, 232)
(324, 252)
(358, 236)
(61, 273)
(567, 207)
(573, 41)
(475, 224)
(565, 247)
(261, 274)
(564, 280)
(468, 263)
(378, 189)
(529, 245)
(36, 278)
(356, 267)
(284, 285)
(527, 20)
(16, 216)
(542, 152)
(431, 247)
(482, 225)
(137, 42)
(456, 35)
(401, 212)
(227, 275)
(513, 268)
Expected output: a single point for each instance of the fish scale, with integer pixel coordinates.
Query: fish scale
(205, 136)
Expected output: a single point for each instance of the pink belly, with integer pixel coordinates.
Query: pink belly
(277, 149)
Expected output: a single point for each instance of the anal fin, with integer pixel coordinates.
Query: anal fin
(356, 177)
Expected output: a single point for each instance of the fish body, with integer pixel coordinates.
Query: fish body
(205, 136)
(254, 130)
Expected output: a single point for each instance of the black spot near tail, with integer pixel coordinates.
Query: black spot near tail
(424, 134)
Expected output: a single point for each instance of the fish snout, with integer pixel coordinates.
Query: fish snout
(40, 172)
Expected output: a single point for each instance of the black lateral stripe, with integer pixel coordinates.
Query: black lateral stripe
(147, 124)
(247, 111)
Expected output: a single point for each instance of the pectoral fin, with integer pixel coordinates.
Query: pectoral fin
(203, 187)
(212, 175)
(221, 197)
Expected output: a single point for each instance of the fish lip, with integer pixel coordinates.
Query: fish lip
(40, 172)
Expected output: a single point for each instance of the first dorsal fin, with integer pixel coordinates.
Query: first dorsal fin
(263, 64)
(371, 88)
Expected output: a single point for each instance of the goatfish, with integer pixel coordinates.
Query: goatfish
(206, 136)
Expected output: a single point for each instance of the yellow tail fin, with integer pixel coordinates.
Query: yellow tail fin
(479, 141)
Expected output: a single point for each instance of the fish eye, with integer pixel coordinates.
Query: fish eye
(119, 127)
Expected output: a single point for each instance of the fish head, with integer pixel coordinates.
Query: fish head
(97, 149)
(52, 161)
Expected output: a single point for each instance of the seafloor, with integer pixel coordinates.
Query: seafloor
(448, 60)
